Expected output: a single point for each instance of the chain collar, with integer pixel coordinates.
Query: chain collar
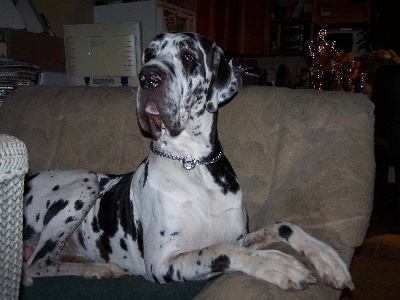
(188, 161)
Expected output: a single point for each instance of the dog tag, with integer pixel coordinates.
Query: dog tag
(189, 162)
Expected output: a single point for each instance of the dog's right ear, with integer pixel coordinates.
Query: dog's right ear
(223, 83)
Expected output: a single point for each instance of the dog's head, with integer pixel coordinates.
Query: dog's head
(183, 75)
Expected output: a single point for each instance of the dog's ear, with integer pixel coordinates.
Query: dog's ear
(223, 83)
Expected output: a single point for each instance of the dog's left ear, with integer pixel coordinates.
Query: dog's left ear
(223, 83)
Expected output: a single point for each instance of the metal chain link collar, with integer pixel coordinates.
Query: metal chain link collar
(188, 161)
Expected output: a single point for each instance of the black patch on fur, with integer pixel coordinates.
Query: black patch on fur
(81, 240)
(47, 248)
(38, 217)
(146, 172)
(155, 279)
(29, 200)
(200, 112)
(54, 209)
(178, 274)
(140, 238)
(56, 188)
(104, 246)
(220, 264)
(69, 219)
(285, 232)
(198, 263)
(224, 175)
(201, 253)
(28, 232)
(48, 262)
(47, 204)
(221, 170)
(95, 225)
(78, 205)
(103, 182)
(163, 45)
(123, 245)
(116, 207)
(168, 276)
(162, 232)
(116, 210)
(86, 180)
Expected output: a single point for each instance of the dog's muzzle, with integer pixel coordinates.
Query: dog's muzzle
(156, 110)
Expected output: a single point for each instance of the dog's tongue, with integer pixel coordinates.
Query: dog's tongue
(154, 119)
(151, 108)
(155, 125)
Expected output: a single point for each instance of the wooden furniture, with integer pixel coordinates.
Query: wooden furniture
(238, 26)
(254, 27)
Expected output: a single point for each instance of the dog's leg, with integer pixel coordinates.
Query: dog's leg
(269, 265)
(328, 263)
(87, 270)
(53, 214)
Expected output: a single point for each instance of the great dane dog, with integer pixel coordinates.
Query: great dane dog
(180, 215)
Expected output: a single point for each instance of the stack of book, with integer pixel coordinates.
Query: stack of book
(16, 73)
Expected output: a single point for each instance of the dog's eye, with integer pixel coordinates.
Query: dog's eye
(188, 57)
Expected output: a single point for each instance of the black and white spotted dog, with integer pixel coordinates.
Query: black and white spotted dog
(180, 215)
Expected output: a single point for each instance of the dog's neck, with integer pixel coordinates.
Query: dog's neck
(199, 139)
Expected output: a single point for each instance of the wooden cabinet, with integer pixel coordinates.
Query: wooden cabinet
(238, 26)
(343, 11)
(254, 27)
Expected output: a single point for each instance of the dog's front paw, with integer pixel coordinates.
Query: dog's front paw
(280, 269)
(334, 272)
(332, 269)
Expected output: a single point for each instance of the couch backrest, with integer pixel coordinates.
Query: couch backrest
(309, 153)
(76, 127)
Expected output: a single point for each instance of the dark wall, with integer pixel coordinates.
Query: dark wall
(385, 25)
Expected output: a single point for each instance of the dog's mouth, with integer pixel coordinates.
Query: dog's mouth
(156, 114)
(154, 119)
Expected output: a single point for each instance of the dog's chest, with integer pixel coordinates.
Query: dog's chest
(182, 205)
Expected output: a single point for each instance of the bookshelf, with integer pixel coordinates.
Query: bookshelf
(290, 26)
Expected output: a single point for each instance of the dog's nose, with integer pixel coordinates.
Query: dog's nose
(150, 77)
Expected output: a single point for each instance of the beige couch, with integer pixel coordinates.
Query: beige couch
(302, 156)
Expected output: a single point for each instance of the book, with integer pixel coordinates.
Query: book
(289, 8)
(298, 9)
